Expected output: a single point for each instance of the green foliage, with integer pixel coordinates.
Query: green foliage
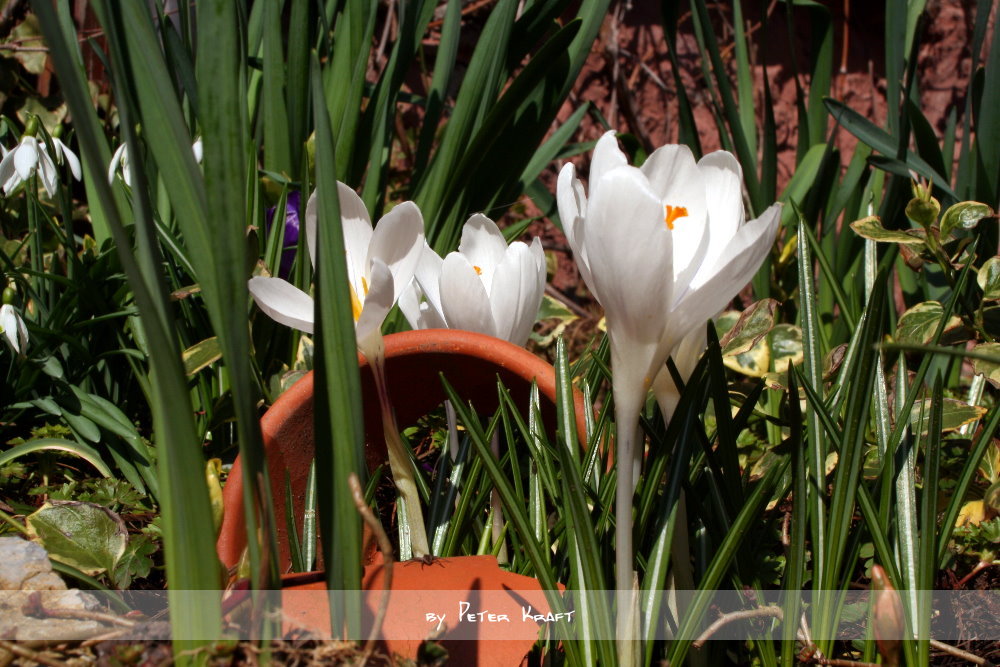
(848, 410)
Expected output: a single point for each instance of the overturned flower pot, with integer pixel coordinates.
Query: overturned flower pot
(468, 606)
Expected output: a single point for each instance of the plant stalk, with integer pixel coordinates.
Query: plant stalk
(399, 462)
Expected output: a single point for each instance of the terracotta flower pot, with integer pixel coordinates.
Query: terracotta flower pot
(470, 362)
(481, 614)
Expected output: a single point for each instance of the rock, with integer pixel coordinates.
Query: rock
(27, 582)
(25, 566)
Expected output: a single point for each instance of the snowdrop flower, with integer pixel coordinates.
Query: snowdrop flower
(27, 158)
(486, 286)
(12, 326)
(663, 248)
(65, 156)
(119, 161)
(380, 263)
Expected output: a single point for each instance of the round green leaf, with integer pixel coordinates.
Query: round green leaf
(83, 535)
(923, 212)
(989, 279)
(989, 369)
(752, 325)
(963, 215)
(786, 346)
(918, 324)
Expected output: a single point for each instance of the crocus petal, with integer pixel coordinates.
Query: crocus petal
(428, 276)
(420, 314)
(357, 230)
(685, 356)
(714, 286)
(673, 175)
(517, 293)
(723, 183)
(398, 241)
(483, 245)
(464, 299)
(283, 302)
(197, 149)
(572, 203)
(378, 303)
(607, 157)
(630, 249)
(26, 157)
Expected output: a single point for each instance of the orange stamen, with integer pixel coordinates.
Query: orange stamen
(479, 271)
(673, 213)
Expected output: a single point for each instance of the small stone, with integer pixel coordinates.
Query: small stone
(25, 571)
(25, 565)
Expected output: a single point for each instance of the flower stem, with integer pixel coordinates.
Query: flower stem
(399, 461)
(627, 425)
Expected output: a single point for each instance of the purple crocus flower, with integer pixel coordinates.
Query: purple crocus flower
(292, 204)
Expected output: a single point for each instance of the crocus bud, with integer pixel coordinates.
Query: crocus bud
(887, 617)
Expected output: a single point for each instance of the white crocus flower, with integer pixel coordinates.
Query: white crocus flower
(422, 308)
(663, 248)
(380, 263)
(486, 286)
(28, 158)
(12, 326)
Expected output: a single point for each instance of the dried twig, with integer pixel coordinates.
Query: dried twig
(28, 654)
(725, 619)
(959, 653)
(386, 547)
(35, 607)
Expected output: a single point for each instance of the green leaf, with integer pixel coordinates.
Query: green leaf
(202, 354)
(753, 324)
(135, 562)
(954, 414)
(85, 452)
(754, 362)
(990, 369)
(989, 279)
(871, 228)
(786, 346)
(963, 215)
(86, 536)
(919, 324)
(869, 133)
(923, 212)
(552, 309)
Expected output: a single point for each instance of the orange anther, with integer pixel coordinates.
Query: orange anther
(673, 213)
